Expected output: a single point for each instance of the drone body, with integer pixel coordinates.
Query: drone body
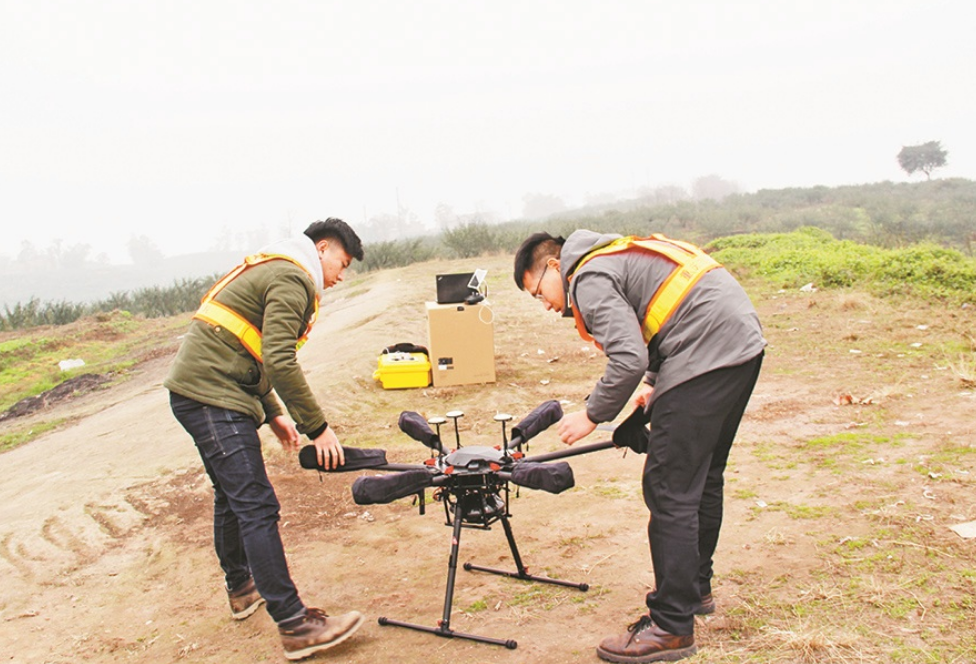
(473, 485)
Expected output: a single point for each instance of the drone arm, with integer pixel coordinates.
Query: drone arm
(401, 467)
(572, 451)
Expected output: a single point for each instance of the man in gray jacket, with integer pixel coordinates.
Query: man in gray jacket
(684, 345)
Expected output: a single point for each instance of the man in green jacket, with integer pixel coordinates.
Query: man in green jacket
(241, 345)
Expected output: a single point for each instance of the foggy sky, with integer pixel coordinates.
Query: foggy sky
(178, 119)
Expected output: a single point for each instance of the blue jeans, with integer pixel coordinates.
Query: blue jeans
(245, 506)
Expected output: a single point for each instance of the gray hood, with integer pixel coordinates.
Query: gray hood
(577, 245)
(302, 249)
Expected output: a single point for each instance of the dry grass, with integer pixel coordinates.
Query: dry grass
(836, 552)
(963, 365)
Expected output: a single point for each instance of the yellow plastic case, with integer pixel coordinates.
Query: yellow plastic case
(398, 371)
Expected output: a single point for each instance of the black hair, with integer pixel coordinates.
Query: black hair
(337, 229)
(536, 250)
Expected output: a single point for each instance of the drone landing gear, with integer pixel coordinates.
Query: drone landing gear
(444, 624)
(522, 571)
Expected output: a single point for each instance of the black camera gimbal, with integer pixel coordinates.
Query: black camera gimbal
(473, 485)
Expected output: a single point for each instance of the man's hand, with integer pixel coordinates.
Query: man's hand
(285, 431)
(643, 395)
(575, 426)
(328, 451)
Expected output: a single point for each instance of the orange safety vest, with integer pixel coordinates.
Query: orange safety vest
(220, 315)
(692, 264)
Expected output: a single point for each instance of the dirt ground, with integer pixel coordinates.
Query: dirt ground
(855, 458)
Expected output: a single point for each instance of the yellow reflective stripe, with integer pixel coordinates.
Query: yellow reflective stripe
(687, 246)
(217, 314)
(673, 291)
(308, 327)
(666, 248)
(692, 264)
(223, 281)
(250, 261)
(255, 259)
(679, 254)
(618, 245)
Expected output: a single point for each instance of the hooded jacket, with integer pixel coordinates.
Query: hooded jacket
(278, 297)
(715, 326)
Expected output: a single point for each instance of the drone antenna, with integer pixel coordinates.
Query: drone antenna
(437, 422)
(503, 418)
(455, 415)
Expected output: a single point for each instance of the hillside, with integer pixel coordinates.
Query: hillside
(90, 282)
(856, 458)
(885, 214)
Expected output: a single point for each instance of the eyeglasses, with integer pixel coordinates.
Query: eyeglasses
(537, 294)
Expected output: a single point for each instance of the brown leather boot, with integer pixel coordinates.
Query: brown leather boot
(244, 600)
(646, 642)
(316, 631)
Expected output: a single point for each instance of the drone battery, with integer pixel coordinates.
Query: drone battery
(403, 370)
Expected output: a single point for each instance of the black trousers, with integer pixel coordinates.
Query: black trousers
(692, 429)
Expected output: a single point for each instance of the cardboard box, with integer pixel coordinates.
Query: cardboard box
(461, 341)
(402, 370)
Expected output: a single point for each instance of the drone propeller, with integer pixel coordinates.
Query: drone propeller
(383, 489)
(415, 426)
(356, 459)
(549, 477)
(540, 419)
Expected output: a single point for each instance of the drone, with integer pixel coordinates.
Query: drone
(472, 483)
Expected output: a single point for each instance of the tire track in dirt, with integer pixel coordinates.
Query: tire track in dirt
(74, 496)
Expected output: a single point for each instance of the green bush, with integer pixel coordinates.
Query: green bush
(469, 240)
(184, 295)
(396, 253)
(931, 270)
(790, 260)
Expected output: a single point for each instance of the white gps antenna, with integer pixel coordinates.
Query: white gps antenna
(503, 418)
(454, 415)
